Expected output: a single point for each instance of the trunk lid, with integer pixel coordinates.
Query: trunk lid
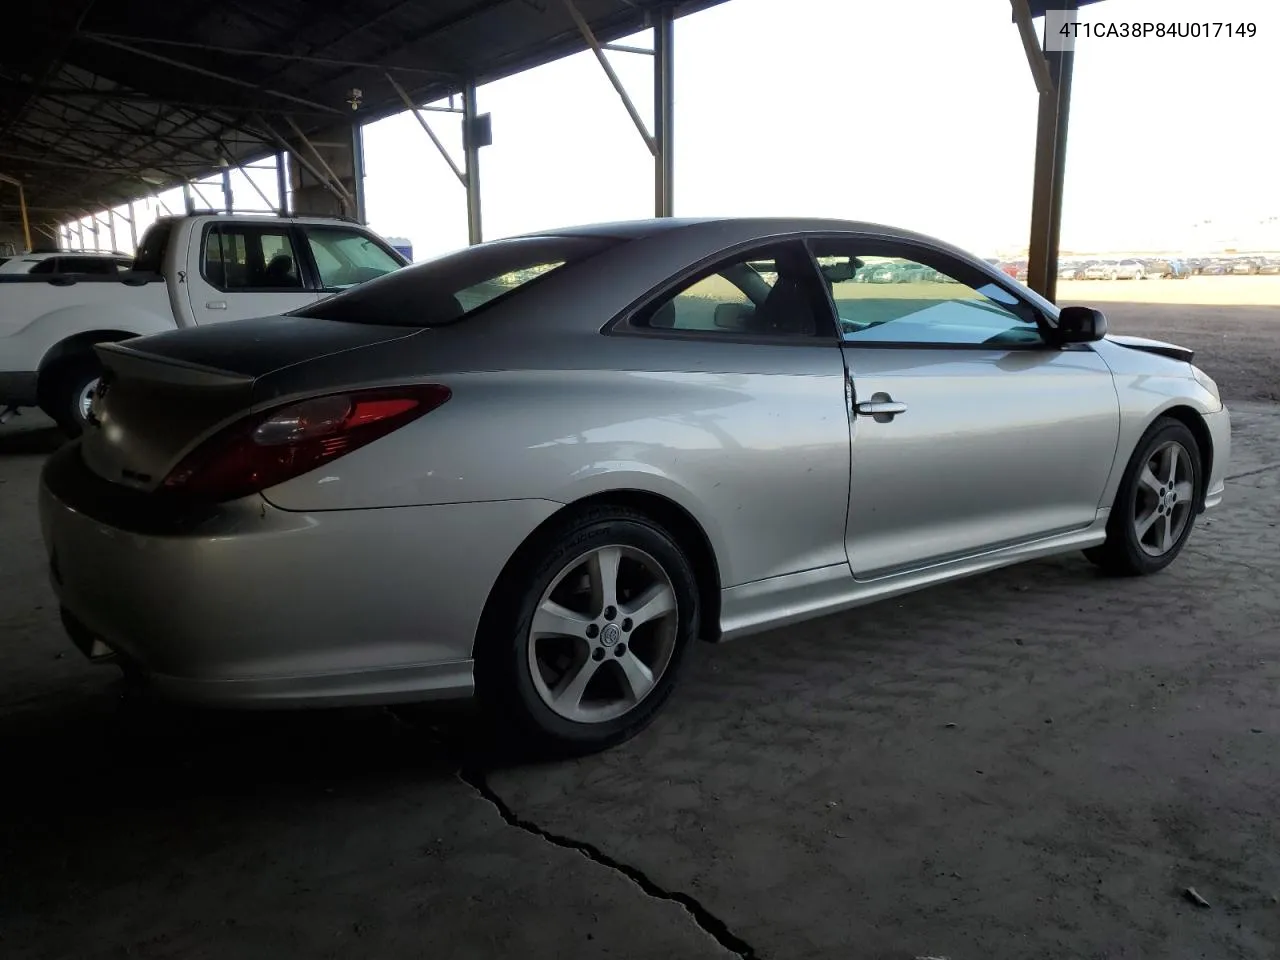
(162, 395)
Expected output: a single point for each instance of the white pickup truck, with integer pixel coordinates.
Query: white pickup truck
(188, 271)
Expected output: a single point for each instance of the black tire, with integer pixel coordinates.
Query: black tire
(1122, 554)
(505, 685)
(62, 386)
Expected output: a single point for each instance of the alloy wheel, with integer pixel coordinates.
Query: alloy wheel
(1165, 499)
(603, 634)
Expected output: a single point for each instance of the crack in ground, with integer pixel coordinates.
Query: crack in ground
(707, 921)
(1250, 473)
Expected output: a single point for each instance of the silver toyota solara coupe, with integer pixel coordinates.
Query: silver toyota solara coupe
(537, 469)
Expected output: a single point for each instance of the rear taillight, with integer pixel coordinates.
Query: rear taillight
(271, 447)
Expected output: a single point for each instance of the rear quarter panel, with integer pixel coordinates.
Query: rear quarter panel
(751, 439)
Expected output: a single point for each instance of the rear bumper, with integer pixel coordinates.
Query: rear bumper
(248, 605)
(17, 389)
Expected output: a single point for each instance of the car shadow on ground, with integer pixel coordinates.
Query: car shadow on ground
(26, 442)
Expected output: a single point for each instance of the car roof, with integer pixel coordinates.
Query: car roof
(732, 228)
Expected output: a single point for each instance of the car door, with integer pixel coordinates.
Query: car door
(239, 270)
(970, 431)
(755, 425)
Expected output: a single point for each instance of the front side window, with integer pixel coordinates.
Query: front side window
(345, 258)
(767, 293)
(45, 266)
(250, 257)
(457, 285)
(898, 300)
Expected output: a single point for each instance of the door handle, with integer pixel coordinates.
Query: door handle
(216, 305)
(881, 408)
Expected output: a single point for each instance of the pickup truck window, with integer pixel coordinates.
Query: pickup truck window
(250, 257)
(345, 258)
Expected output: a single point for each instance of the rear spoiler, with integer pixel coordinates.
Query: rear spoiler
(121, 359)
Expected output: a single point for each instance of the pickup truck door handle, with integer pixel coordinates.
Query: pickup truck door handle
(216, 305)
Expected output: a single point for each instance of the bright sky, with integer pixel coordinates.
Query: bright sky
(846, 108)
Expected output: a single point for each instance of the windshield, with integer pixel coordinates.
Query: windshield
(455, 286)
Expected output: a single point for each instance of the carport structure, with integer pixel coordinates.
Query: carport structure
(103, 102)
(106, 101)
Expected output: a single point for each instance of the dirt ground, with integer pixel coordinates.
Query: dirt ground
(1034, 764)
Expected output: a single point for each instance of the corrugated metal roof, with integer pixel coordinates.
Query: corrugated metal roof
(102, 100)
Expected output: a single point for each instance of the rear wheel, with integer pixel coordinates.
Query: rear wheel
(584, 638)
(66, 391)
(1155, 507)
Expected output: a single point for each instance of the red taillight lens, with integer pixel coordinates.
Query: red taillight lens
(272, 447)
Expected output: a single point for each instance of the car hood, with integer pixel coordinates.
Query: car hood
(1158, 347)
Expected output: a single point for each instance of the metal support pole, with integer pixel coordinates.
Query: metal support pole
(228, 199)
(471, 154)
(26, 221)
(426, 128)
(1050, 168)
(664, 112)
(584, 28)
(133, 226)
(357, 170)
(22, 206)
(188, 201)
(340, 191)
(80, 232)
(111, 227)
(282, 184)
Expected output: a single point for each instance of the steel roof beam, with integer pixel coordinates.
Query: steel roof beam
(266, 54)
(212, 74)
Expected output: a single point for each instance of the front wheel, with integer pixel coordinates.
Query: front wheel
(1155, 507)
(583, 640)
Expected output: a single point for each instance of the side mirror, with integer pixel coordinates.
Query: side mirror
(1081, 325)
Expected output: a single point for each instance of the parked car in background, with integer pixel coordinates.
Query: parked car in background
(1129, 269)
(1068, 270)
(544, 498)
(1214, 268)
(1270, 266)
(1178, 270)
(189, 271)
(94, 262)
(1243, 266)
(1101, 270)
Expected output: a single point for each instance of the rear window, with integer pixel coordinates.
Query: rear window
(456, 285)
(150, 254)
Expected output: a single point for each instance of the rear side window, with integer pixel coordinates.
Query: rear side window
(250, 257)
(46, 266)
(150, 253)
(95, 265)
(457, 285)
